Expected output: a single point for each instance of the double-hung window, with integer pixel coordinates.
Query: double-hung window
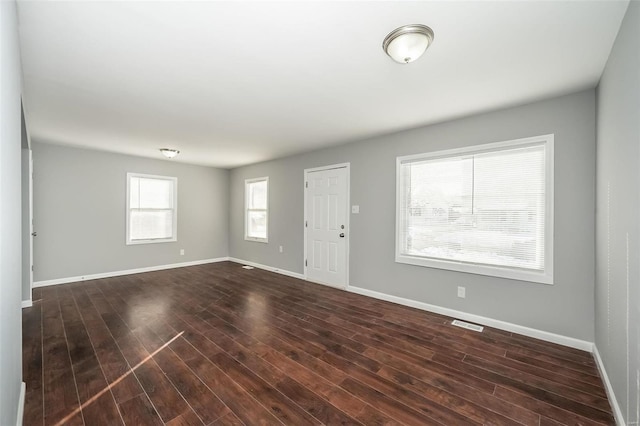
(486, 209)
(256, 219)
(152, 208)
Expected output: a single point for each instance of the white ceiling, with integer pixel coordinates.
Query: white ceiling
(233, 83)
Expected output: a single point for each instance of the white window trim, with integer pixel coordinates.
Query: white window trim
(545, 277)
(175, 210)
(246, 209)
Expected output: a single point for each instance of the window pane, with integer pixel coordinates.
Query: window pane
(155, 194)
(258, 195)
(134, 192)
(510, 206)
(148, 225)
(485, 208)
(257, 224)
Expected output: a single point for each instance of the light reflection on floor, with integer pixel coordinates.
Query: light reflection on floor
(115, 382)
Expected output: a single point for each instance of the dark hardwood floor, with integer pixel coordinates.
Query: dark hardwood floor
(220, 345)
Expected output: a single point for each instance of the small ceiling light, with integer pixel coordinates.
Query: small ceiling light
(407, 43)
(169, 153)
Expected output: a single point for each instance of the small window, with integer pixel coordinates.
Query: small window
(486, 209)
(256, 220)
(152, 208)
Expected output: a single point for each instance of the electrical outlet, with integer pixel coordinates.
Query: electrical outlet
(462, 292)
(181, 252)
(281, 249)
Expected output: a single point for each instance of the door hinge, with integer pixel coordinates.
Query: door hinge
(306, 184)
(305, 262)
(31, 268)
(305, 224)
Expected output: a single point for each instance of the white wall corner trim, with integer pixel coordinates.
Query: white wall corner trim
(27, 303)
(126, 272)
(268, 268)
(23, 392)
(617, 412)
(489, 322)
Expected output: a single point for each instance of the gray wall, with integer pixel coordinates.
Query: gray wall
(79, 212)
(10, 216)
(565, 308)
(617, 309)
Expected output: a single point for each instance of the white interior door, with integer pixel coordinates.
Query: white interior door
(326, 226)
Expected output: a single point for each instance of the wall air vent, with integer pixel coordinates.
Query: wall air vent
(467, 325)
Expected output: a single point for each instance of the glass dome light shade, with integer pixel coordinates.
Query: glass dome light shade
(169, 153)
(408, 43)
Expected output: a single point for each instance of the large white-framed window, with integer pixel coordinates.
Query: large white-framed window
(256, 209)
(485, 209)
(152, 209)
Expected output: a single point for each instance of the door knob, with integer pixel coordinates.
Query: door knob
(342, 235)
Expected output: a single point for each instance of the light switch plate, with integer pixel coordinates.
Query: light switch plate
(355, 209)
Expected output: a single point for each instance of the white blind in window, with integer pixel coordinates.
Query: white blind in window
(484, 208)
(256, 205)
(151, 204)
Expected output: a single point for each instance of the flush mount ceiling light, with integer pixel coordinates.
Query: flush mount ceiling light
(169, 153)
(407, 43)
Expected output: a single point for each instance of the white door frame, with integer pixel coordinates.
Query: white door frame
(26, 203)
(31, 222)
(346, 166)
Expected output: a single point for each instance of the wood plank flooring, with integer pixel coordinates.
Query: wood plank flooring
(220, 345)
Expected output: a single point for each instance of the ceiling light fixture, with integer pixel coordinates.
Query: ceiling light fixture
(169, 153)
(407, 43)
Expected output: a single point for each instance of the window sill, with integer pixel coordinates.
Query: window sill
(492, 271)
(257, 240)
(155, 241)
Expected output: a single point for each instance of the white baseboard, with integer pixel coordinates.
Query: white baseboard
(489, 322)
(27, 303)
(617, 412)
(268, 268)
(125, 272)
(23, 392)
